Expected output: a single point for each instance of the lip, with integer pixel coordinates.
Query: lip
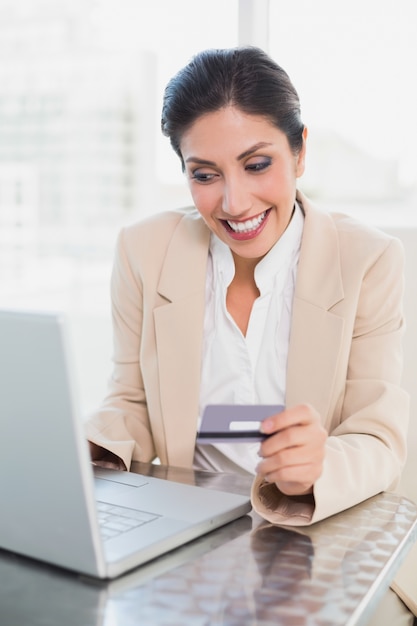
(246, 236)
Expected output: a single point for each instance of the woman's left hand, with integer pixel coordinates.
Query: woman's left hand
(293, 454)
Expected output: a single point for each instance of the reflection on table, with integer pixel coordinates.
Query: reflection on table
(245, 573)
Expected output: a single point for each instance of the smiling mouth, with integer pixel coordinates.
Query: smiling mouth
(246, 226)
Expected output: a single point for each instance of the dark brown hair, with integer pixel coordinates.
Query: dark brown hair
(245, 77)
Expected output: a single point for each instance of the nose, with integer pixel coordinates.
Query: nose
(236, 200)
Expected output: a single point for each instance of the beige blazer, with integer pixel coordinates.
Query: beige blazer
(345, 354)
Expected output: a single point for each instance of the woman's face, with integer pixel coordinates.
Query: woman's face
(242, 177)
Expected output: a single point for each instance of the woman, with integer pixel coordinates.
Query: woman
(255, 296)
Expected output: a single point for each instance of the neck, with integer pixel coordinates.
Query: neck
(242, 292)
(245, 268)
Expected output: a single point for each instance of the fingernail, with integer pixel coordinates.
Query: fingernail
(266, 426)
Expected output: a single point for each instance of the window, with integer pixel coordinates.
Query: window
(353, 64)
(81, 151)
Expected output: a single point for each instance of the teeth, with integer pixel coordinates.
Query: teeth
(248, 225)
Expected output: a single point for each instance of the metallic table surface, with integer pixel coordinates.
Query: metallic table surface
(245, 573)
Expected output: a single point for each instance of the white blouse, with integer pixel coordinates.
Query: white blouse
(252, 369)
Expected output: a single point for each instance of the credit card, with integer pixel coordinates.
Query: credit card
(234, 422)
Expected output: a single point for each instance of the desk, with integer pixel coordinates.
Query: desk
(245, 573)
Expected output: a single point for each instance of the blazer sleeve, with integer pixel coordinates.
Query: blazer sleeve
(366, 448)
(121, 425)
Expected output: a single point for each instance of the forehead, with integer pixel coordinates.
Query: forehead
(228, 128)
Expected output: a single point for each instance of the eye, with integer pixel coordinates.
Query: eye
(258, 165)
(202, 177)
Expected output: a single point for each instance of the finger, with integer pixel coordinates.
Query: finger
(290, 437)
(301, 414)
(302, 440)
(296, 456)
(295, 480)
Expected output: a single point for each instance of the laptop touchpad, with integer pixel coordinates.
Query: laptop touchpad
(106, 489)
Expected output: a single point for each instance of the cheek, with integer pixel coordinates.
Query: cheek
(205, 199)
(274, 187)
(283, 181)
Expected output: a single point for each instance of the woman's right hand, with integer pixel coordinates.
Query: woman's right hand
(104, 458)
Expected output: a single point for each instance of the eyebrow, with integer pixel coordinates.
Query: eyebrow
(243, 155)
(251, 150)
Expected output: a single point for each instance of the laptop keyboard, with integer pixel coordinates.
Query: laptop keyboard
(115, 520)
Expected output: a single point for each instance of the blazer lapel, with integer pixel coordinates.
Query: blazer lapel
(179, 334)
(315, 338)
(316, 332)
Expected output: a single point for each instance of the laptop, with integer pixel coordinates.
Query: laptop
(55, 505)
